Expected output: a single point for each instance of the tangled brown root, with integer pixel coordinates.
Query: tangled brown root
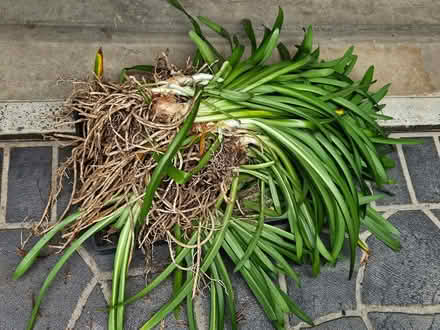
(124, 126)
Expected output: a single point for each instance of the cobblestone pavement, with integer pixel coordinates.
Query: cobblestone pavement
(393, 291)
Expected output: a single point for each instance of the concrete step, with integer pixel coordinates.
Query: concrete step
(32, 119)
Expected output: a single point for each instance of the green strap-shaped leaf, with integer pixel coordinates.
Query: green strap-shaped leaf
(208, 259)
(205, 50)
(230, 298)
(190, 315)
(217, 28)
(296, 310)
(196, 62)
(219, 299)
(383, 140)
(251, 275)
(382, 229)
(286, 69)
(173, 148)
(163, 275)
(67, 254)
(251, 247)
(176, 4)
(32, 255)
(261, 247)
(279, 20)
(301, 152)
(127, 247)
(306, 46)
(178, 274)
(351, 65)
(213, 310)
(236, 55)
(247, 26)
(140, 68)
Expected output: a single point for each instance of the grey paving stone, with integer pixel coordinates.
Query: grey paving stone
(136, 314)
(105, 261)
(400, 321)
(160, 257)
(399, 190)
(410, 276)
(29, 183)
(142, 310)
(92, 316)
(424, 168)
(436, 213)
(346, 323)
(16, 296)
(330, 292)
(67, 183)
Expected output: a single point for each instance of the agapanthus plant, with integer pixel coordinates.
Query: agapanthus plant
(230, 160)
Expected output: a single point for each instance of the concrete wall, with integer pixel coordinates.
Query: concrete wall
(158, 16)
(43, 41)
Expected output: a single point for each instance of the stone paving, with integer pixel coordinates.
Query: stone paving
(392, 291)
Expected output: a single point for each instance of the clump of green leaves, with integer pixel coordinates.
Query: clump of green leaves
(313, 144)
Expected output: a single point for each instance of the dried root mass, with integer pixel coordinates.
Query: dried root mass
(124, 133)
